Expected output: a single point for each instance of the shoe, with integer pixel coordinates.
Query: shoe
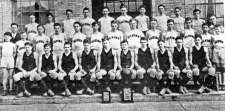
(20, 94)
(168, 91)
(201, 89)
(108, 89)
(144, 90)
(89, 91)
(148, 91)
(162, 92)
(68, 93)
(51, 93)
(4, 93)
(27, 94)
(45, 94)
(181, 89)
(185, 90)
(80, 91)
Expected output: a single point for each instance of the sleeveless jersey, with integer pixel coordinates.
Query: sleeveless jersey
(107, 60)
(164, 63)
(88, 60)
(28, 62)
(67, 62)
(47, 63)
(125, 59)
(198, 56)
(145, 59)
(179, 58)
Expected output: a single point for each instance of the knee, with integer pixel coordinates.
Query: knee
(93, 77)
(170, 74)
(61, 76)
(42, 74)
(152, 72)
(17, 77)
(212, 71)
(72, 75)
(112, 75)
(100, 74)
(133, 74)
(118, 75)
(140, 73)
(78, 75)
(159, 74)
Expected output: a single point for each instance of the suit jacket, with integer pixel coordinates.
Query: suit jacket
(16, 38)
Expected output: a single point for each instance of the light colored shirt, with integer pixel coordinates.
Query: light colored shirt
(77, 41)
(189, 40)
(87, 26)
(115, 38)
(7, 49)
(124, 25)
(197, 24)
(179, 24)
(153, 37)
(162, 22)
(68, 27)
(31, 27)
(170, 37)
(49, 29)
(105, 23)
(134, 37)
(143, 22)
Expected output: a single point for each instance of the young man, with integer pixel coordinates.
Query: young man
(8, 52)
(49, 26)
(133, 36)
(178, 20)
(88, 60)
(126, 64)
(164, 63)
(47, 69)
(96, 38)
(40, 40)
(218, 53)
(180, 61)
(153, 35)
(170, 35)
(68, 65)
(68, 23)
(107, 66)
(86, 23)
(144, 63)
(200, 62)
(189, 34)
(207, 39)
(115, 36)
(15, 34)
(105, 21)
(28, 68)
(197, 22)
(32, 26)
(142, 19)
(57, 40)
(162, 18)
(124, 20)
(77, 38)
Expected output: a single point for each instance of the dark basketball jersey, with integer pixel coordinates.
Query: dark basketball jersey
(47, 63)
(88, 61)
(28, 62)
(107, 60)
(163, 59)
(67, 62)
(198, 57)
(145, 59)
(179, 58)
(125, 59)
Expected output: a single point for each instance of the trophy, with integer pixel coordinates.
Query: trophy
(106, 97)
(127, 95)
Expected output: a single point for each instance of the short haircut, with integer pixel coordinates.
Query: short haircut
(122, 6)
(124, 41)
(143, 38)
(205, 24)
(198, 36)
(177, 8)
(77, 23)
(49, 14)
(115, 22)
(69, 10)
(32, 14)
(161, 5)
(179, 38)
(170, 20)
(196, 10)
(133, 20)
(22, 32)
(86, 8)
(188, 19)
(47, 45)
(153, 19)
(28, 43)
(105, 8)
(14, 24)
(8, 33)
(142, 6)
(161, 40)
(57, 24)
(217, 25)
(68, 43)
(94, 23)
(87, 41)
(105, 39)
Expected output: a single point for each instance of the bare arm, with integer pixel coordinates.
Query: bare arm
(115, 61)
(55, 63)
(40, 64)
(119, 61)
(170, 59)
(207, 57)
(190, 56)
(132, 60)
(76, 63)
(186, 57)
(60, 64)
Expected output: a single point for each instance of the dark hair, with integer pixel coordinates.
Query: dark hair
(217, 25)
(196, 10)
(105, 39)
(161, 5)
(67, 43)
(85, 8)
(177, 8)
(47, 45)
(170, 20)
(94, 23)
(122, 6)
(28, 43)
(124, 41)
(14, 24)
(143, 38)
(161, 40)
(188, 19)
(133, 20)
(77, 23)
(87, 41)
(179, 37)
(22, 32)
(142, 6)
(205, 24)
(153, 19)
(69, 10)
(114, 22)
(31, 14)
(198, 36)
(8, 33)
(57, 24)
(105, 8)
(49, 14)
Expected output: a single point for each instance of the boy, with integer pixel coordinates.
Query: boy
(124, 20)
(7, 62)
(86, 23)
(142, 20)
(178, 20)
(68, 23)
(162, 18)
(15, 34)
(207, 39)
(197, 22)
(96, 38)
(32, 26)
(49, 26)
(105, 21)
(189, 34)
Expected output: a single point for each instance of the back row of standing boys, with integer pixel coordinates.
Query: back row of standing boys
(170, 53)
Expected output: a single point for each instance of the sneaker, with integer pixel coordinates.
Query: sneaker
(51, 93)
(68, 93)
(27, 94)
(201, 89)
(89, 91)
(144, 90)
(80, 91)
(185, 90)
(181, 89)
(168, 91)
(45, 94)
(4, 93)
(162, 92)
(20, 94)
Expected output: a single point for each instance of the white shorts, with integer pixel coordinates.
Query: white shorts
(219, 57)
(7, 62)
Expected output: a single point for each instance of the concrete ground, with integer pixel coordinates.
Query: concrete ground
(137, 106)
